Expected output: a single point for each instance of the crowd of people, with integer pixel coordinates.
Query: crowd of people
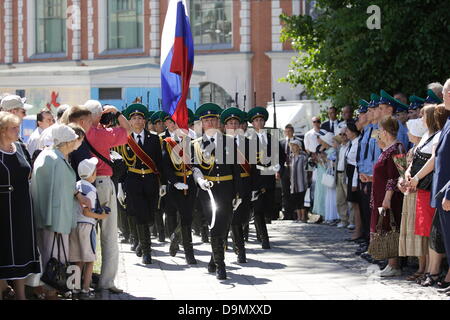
(386, 171)
(137, 173)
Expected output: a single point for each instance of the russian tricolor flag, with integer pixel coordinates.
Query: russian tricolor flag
(177, 61)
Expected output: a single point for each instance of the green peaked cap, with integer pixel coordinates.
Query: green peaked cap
(136, 108)
(257, 112)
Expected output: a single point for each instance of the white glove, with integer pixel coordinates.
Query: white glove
(120, 195)
(181, 186)
(162, 191)
(236, 202)
(255, 196)
(204, 184)
(276, 167)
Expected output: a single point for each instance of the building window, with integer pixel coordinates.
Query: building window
(211, 21)
(51, 26)
(125, 24)
(110, 93)
(211, 92)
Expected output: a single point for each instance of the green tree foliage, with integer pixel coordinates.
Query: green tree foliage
(341, 59)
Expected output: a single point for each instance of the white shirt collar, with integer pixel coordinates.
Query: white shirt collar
(142, 134)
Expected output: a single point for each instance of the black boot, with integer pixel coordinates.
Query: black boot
(186, 236)
(238, 237)
(144, 243)
(134, 244)
(211, 265)
(218, 248)
(246, 231)
(260, 224)
(159, 224)
(133, 233)
(154, 231)
(174, 242)
(204, 232)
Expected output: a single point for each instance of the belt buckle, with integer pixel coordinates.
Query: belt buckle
(143, 172)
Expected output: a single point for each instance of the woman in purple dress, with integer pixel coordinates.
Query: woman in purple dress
(385, 193)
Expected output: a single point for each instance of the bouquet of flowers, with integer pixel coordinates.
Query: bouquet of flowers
(400, 163)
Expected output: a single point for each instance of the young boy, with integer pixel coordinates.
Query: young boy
(83, 237)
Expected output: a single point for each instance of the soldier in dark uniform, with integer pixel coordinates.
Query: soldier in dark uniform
(145, 181)
(232, 119)
(182, 189)
(159, 228)
(215, 172)
(266, 167)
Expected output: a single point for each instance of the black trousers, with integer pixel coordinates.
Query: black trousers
(444, 217)
(223, 193)
(178, 202)
(142, 197)
(242, 215)
(364, 207)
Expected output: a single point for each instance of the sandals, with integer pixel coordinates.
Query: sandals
(414, 276)
(431, 279)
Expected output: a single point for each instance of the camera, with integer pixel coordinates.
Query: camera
(107, 118)
(100, 210)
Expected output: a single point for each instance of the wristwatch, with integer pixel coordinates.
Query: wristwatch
(117, 115)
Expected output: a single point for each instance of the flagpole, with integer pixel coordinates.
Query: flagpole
(274, 111)
(148, 100)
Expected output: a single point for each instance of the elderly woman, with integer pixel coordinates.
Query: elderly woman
(385, 193)
(53, 187)
(19, 257)
(329, 146)
(410, 244)
(298, 179)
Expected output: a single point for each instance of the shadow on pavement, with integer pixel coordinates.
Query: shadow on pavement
(263, 265)
(244, 279)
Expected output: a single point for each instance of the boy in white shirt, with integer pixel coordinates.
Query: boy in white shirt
(82, 241)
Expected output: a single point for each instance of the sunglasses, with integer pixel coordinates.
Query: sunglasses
(342, 134)
(316, 121)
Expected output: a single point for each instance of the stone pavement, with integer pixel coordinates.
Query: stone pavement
(307, 261)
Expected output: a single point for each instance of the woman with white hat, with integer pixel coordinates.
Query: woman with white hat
(53, 188)
(329, 157)
(319, 189)
(410, 244)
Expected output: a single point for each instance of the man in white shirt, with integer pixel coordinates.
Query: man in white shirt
(311, 142)
(44, 120)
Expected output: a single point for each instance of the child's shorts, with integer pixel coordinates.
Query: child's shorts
(82, 243)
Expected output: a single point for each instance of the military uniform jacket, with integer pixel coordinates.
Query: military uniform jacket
(263, 150)
(152, 147)
(218, 165)
(174, 167)
(250, 178)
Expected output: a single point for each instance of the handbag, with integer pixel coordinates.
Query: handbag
(384, 245)
(55, 273)
(116, 163)
(328, 179)
(419, 160)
